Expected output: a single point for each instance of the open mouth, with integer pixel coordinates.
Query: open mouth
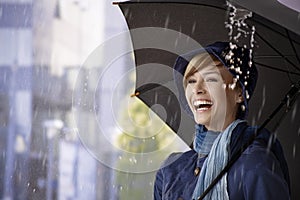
(202, 105)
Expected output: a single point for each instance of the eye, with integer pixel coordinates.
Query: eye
(212, 77)
(191, 81)
(211, 80)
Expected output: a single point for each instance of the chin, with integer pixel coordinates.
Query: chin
(202, 121)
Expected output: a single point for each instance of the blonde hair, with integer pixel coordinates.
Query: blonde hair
(199, 61)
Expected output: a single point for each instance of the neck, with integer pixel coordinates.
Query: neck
(220, 125)
(204, 139)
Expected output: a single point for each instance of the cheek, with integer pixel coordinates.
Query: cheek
(188, 91)
(231, 97)
(188, 94)
(217, 93)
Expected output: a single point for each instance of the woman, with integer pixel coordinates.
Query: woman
(218, 82)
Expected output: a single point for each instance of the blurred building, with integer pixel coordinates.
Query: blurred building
(16, 64)
(42, 46)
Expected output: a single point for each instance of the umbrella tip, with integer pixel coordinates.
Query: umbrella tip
(135, 94)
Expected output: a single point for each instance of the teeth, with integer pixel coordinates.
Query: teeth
(202, 102)
(202, 109)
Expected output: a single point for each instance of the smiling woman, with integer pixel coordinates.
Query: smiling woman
(218, 82)
(206, 89)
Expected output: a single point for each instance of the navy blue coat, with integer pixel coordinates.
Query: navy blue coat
(260, 173)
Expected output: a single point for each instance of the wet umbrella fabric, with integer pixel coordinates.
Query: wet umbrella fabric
(275, 54)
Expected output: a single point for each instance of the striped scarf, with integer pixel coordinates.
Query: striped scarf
(213, 165)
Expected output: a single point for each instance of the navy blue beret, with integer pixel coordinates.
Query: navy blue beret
(236, 59)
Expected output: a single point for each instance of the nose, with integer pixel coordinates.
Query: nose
(199, 87)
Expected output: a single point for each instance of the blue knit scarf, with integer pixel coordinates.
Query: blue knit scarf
(203, 140)
(214, 163)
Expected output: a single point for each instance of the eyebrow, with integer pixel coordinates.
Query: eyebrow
(210, 72)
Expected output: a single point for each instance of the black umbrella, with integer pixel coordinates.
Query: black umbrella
(179, 25)
(275, 51)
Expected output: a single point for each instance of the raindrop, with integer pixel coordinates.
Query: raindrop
(237, 36)
(169, 100)
(232, 86)
(262, 103)
(194, 27)
(273, 167)
(299, 131)
(294, 112)
(294, 150)
(253, 121)
(243, 107)
(167, 21)
(247, 95)
(176, 42)
(240, 184)
(224, 86)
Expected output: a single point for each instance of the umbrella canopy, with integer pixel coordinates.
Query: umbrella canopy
(275, 53)
(170, 28)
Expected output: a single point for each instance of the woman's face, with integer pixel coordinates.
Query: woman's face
(213, 96)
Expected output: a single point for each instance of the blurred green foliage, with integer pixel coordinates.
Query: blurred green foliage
(145, 133)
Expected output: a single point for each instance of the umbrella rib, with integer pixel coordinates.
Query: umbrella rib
(270, 28)
(271, 56)
(285, 58)
(290, 95)
(293, 46)
(277, 69)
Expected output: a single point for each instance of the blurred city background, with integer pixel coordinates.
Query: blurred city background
(43, 45)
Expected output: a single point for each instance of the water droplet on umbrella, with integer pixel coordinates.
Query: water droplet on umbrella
(239, 30)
